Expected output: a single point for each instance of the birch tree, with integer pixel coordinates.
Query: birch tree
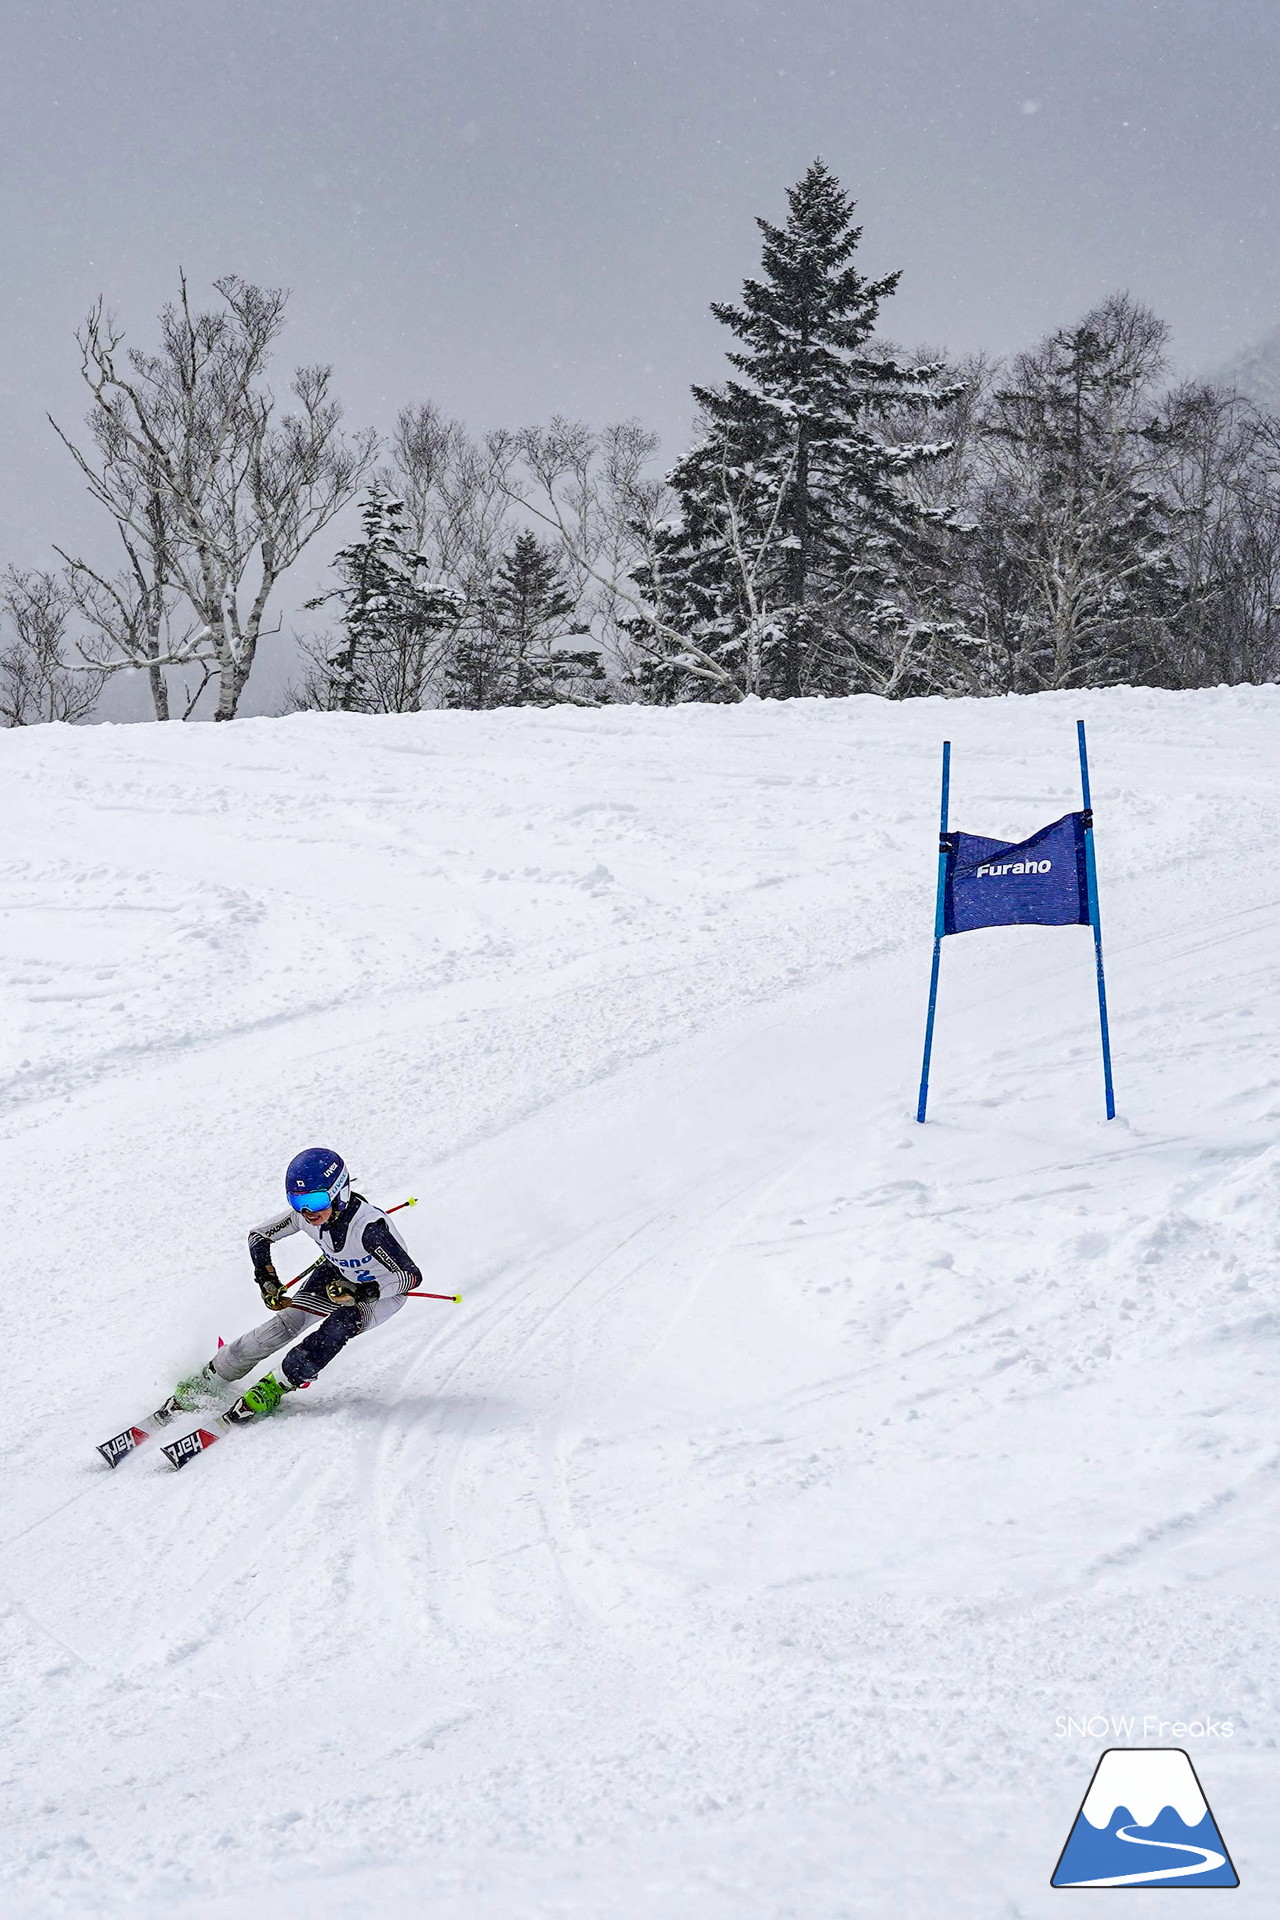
(39, 677)
(1076, 520)
(132, 617)
(1220, 465)
(191, 437)
(456, 512)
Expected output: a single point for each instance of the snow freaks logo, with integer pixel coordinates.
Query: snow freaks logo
(1145, 1823)
(1127, 1726)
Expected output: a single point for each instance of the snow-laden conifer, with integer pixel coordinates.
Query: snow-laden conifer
(800, 560)
(395, 623)
(517, 655)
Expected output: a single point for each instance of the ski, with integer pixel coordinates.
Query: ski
(179, 1453)
(121, 1445)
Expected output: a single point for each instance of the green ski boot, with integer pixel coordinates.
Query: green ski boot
(193, 1395)
(259, 1401)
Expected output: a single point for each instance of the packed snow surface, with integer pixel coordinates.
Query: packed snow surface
(793, 1480)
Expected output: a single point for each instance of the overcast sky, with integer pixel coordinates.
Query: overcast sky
(523, 207)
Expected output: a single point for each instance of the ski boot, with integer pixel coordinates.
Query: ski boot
(259, 1401)
(198, 1391)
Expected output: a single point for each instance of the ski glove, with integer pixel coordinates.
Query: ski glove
(353, 1293)
(273, 1294)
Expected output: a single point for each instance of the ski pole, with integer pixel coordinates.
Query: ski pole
(412, 1201)
(414, 1293)
(417, 1293)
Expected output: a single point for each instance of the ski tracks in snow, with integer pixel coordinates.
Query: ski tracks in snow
(786, 1467)
(581, 1316)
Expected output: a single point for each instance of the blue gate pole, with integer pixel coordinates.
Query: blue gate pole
(938, 931)
(1095, 920)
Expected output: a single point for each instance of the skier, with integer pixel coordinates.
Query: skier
(361, 1281)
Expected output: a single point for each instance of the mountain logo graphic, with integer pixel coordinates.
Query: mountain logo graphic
(1145, 1823)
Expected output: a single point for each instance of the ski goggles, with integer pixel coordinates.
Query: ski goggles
(310, 1202)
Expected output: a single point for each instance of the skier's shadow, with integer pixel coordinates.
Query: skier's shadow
(435, 1413)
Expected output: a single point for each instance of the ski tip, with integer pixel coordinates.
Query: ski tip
(221, 1341)
(179, 1452)
(115, 1450)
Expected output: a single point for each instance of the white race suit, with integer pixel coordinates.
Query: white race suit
(358, 1243)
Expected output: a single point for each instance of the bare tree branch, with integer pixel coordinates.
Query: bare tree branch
(37, 681)
(214, 490)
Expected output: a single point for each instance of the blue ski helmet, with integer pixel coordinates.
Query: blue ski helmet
(315, 1179)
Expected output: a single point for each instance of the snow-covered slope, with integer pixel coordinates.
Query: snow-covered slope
(789, 1470)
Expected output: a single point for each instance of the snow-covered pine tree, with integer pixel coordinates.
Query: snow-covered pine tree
(516, 656)
(534, 610)
(800, 560)
(395, 625)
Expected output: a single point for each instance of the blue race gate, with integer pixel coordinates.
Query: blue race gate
(1048, 880)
